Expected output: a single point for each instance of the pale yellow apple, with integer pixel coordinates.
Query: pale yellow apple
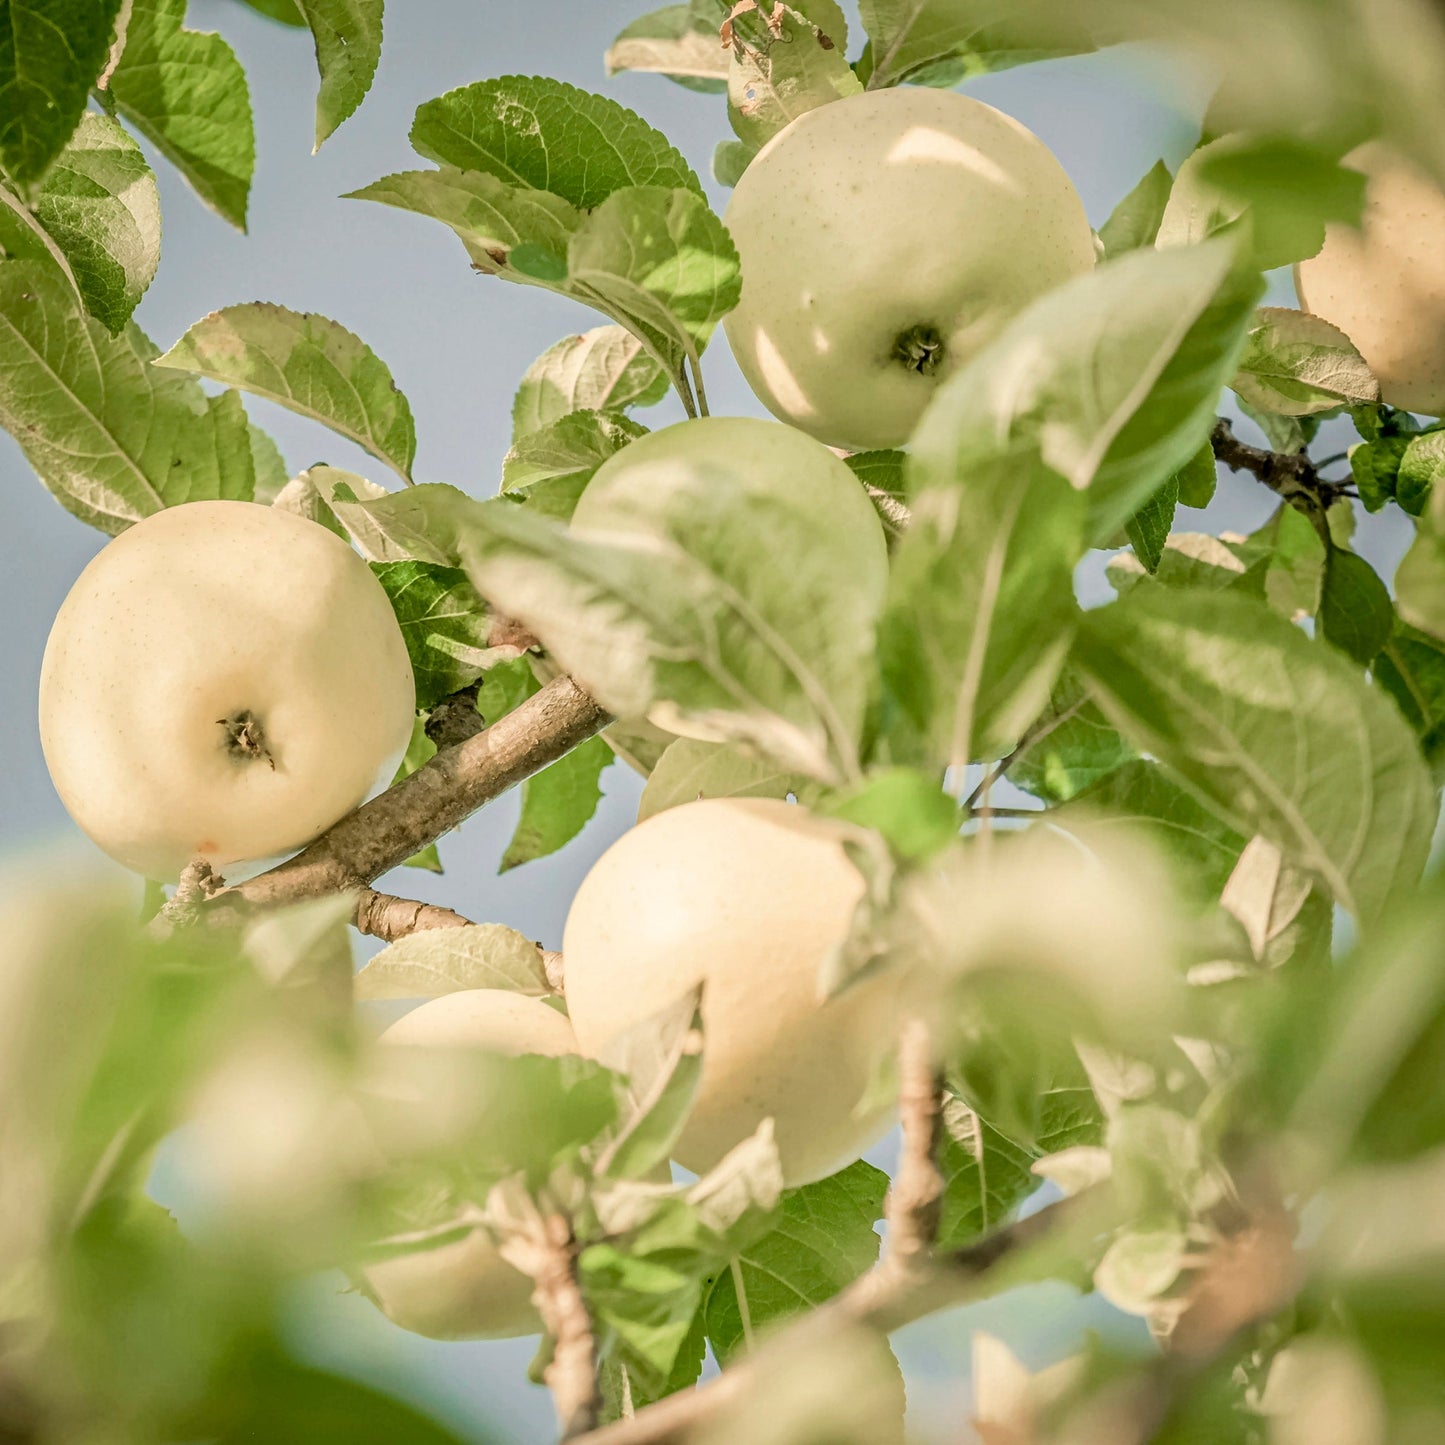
(747, 897)
(466, 1290)
(1383, 285)
(885, 239)
(224, 681)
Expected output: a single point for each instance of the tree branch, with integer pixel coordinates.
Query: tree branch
(571, 1373)
(883, 1299)
(443, 792)
(389, 918)
(916, 1196)
(1292, 476)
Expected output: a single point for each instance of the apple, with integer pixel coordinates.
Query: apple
(885, 239)
(466, 1290)
(224, 681)
(1383, 285)
(746, 896)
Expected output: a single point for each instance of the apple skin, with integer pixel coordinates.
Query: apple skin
(202, 613)
(1384, 284)
(882, 212)
(747, 896)
(466, 1290)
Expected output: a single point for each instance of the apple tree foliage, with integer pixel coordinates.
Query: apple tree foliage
(1234, 1023)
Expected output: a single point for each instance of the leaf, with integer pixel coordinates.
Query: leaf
(1073, 748)
(1421, 471)
(782, 67)
(821, 1240)
(437, 961)
(348, 48)
(907, 808)
(309, 365)
(113, 438)
(1355, 610)
(185, 92)
(1411, 668)
(693, 592)
(1197, 478)
(558, 803)
(436, 606)
(547, 469)
(50, 54)
(1294, 364)
(908, 38)
(678, 41)
(1280, 736)
(548, 136)
(730, 158)
(605, 369)
(690, 769)
(1420, 580)
(1134, 222)
(284, 11)
(100, 207)
(981, 603)
(1148, 529)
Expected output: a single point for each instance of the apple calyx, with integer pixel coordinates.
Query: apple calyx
(920, 349)
(245, 738)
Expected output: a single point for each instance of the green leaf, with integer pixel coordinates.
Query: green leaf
(678, 41)
(730, 158)
(1283, 190)
(99, 207)
(558, 803)
(547, 469)
(283, 10)
(1148, 529)
(959, 38)
(443, 621)
(1294, 364)
(185, 92)
(821, 1240)
(548, 136)
(1420, 580)
(881, 472)
(1421, 471)
(420, 523)
(605, 369)
(693, 591)
(437, 961)
(112, 437)
(1134, 222)
(309, 365)
(348, 48)
(1197, 478)
(1212, 686)
(50, 54)
(1355, 610)
(1074, 747)
(1411, 668)
(781, 67)
(689, 769)
(1189, 559)
(908, 808)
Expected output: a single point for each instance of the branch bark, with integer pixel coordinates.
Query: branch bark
(1292, 476)
(915, 1199)
(571, 1373)
(386, 917)
(384, 833)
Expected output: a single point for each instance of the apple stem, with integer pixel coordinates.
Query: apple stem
(246, 738)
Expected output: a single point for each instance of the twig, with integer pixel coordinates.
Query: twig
(916, 1196)
(552, 967)
(1292, 476)
(550, 1257)
(385, 832)
(1032, 735)
(455, 719)
(883, 1300)
(197, 884)
(389, 918)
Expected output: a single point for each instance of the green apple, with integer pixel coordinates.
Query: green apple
(466, 1290)
(1383, 285)
(224, 681)
(747, 897)
(885, 239)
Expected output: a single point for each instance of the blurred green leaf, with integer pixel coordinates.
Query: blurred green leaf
(283, 10)
(309, 365)
(1210, 685)
(348, 48)
(112, 437)
(821, 1239)
(1072, 746)
(1420, 580)
(910, 810)
(51, 52)
(549, 136)
(185, 91)
(1134, 222)
(1411, 668)
(437, 961)
(604, 369)
(678, 41)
